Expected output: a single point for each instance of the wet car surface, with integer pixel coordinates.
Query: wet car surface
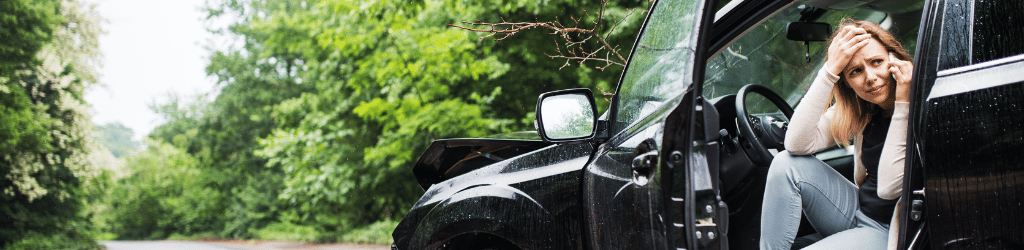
(676, 165)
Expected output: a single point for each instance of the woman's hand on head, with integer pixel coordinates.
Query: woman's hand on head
(847, 42)
(902, 71)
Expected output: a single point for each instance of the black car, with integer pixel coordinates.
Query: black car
(678, 165)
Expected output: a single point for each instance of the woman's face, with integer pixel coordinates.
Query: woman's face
(868, 74)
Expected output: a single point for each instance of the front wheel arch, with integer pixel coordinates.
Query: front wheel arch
(478, 241)
(484, 210)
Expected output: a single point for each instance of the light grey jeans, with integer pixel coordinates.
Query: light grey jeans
(804, 183)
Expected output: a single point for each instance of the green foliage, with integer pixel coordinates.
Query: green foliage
(26, 26)
(47, 57)
(117, 139)
(376, 233)
(54, 242)
(392, 82)
(323, 106)
(196, 236)
(157, 196)
(290, 232)
(183, 115)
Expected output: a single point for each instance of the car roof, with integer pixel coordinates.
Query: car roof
(887, 6)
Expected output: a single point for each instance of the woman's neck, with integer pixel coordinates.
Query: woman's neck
(888, 108)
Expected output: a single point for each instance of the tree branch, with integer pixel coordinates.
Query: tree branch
(574, 47)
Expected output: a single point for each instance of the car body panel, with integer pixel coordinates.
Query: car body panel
(630, 204)
(448, 158)
(968, 129)
(964, 168)
(530, 200)
(619, 199)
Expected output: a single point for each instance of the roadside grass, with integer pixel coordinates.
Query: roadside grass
(193, 237)
(54, 242)
(285, 231)
(101, 236)
(376, 233)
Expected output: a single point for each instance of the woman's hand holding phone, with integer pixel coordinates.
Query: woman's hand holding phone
(901, 72)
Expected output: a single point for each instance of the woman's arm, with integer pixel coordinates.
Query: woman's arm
(894, 153)
(808, 129)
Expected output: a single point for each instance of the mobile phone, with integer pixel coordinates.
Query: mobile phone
(892, 58)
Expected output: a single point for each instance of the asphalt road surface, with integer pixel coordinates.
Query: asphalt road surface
(232, 245)
(159, 245)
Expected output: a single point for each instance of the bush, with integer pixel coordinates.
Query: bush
(285, 231)
(106, 236)
(195, 236)
(54, 242)
(376, 233)
(155, 197)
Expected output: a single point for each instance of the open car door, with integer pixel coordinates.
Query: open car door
(964, 165)
(650, 186)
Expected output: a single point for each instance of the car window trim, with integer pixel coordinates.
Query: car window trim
(978, 76)
(725, 32)
(727, 8)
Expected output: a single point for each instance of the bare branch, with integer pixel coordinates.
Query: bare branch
(575, 49)
(600, 15)
(616, 25)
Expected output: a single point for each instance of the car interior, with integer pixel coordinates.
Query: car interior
(780, 60)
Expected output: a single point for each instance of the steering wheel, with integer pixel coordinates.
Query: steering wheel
(765, 131)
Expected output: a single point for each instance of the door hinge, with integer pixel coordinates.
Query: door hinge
(917, 206)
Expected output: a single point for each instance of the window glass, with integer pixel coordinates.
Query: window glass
(955, 49)
(764, 56)
(975, 31)
(998, 32)
(662, 61)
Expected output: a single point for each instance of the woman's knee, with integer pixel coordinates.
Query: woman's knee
(783, 158)
(782, 164)
(786, 165)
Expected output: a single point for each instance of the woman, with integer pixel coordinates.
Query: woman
(860, 94)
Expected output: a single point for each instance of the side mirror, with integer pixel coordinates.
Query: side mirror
(567, 115)
(808, 31)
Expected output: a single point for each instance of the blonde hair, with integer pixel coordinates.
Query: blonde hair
(852, 113)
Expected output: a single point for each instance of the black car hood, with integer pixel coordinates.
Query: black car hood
(448, 158)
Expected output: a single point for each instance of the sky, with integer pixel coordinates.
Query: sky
(151, 48)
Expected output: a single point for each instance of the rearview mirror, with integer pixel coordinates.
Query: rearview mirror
(808, 31)
(566, 115)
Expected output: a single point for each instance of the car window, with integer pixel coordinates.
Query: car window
(661, 61)
(764, 56)
(997, 30)
(979, 31)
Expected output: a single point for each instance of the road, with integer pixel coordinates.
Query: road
(232, 245)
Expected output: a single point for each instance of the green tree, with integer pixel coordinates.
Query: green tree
(394, 78)
(323, 107)
(182, 115)
(117, 138)
(49, 55)
(158, 194)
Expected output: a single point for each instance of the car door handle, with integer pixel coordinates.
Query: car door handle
(645, 162)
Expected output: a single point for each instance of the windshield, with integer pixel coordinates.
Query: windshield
(661, 62)
(764, 56)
